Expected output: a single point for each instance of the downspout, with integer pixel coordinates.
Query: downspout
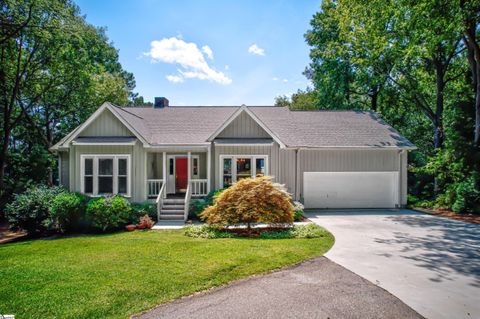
(297, 193)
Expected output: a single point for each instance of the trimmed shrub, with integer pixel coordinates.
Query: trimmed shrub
(298, 231)
(67, 212)
(108, 213)
(30, 210)
(298, 216)
(206, 231)
(141, 209)
(251, 200)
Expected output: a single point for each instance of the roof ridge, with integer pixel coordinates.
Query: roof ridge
(123, 109)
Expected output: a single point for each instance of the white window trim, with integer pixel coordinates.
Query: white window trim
(234, 165)
(115, 158)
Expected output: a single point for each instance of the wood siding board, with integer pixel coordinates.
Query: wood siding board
(243, 127)
(106, 125)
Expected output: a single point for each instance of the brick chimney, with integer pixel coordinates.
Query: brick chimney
(160, 102)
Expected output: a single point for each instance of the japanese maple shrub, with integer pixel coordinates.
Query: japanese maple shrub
(251, 200)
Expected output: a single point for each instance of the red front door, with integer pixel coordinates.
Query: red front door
(181, 174)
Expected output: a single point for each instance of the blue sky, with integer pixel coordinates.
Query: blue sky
(209, 52)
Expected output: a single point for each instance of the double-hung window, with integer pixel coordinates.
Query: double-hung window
(105, 174)
(235, 167)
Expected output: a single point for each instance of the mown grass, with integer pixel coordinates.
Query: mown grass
(117, 275)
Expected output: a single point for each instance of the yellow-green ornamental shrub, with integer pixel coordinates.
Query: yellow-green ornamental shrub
(251, 200)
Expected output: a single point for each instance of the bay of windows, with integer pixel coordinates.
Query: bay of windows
(105, 174)
(236, 167)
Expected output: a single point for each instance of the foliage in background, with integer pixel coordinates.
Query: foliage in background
(141, 209)
(108, 213)
(197, 206)
(55, 70)
(29, 211)
(251, 200)
(418, 65)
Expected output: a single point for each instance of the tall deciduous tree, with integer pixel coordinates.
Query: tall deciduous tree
(55, 69)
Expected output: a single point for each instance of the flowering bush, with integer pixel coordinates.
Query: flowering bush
(145, 222)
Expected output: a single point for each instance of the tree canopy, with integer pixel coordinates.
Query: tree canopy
(55, 70)
(416, 64)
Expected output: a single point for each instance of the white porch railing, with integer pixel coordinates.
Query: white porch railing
(199, 187)
(161, 195)
(186, 208)
(153, 187)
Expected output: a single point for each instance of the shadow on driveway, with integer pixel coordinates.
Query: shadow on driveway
(450, 247)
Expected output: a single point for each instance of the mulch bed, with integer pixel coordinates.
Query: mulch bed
(468, 218)
(7, 236)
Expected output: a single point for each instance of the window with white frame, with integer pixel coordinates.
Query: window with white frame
(235, 167)
(105, 174)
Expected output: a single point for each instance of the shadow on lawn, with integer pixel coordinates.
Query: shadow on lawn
(450, 248)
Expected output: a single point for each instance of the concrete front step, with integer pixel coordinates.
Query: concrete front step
(174, 207)
(172, 211)
(174, 201)
(171, 217)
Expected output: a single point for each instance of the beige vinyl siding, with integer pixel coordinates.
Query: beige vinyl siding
(106, 124)
(137, 166)
(349, 161)
(243, 127)
(64, 169)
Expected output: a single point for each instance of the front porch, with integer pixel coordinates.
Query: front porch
(174, 177)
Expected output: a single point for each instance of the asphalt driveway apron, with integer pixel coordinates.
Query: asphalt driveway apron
(316, 288)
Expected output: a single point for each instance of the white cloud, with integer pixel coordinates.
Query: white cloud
(174, 78)
(206, 49)
(227, 67)
(189, 57)
(277, 79)
(255, 50)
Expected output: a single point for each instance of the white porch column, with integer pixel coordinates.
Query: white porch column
(189, 162)
(209, 166)
(164, 170)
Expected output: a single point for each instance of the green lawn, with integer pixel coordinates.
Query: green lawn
(117, 275)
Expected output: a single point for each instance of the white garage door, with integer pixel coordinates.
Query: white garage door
(350, 189)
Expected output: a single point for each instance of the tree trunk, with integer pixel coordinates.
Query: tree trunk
(374, 99)
(476, 140)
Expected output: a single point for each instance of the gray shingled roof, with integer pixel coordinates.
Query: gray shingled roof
(194, 125)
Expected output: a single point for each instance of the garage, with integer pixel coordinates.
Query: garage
(351, 189)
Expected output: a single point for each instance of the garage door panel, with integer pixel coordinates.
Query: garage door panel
(350, 189)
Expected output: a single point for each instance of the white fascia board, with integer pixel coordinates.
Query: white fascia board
(70, 137)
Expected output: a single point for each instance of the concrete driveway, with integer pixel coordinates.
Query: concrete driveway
(431, 263)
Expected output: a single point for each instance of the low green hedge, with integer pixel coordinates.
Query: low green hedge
(42, 209)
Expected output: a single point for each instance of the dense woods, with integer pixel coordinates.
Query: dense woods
(55, 70)
(417, 63)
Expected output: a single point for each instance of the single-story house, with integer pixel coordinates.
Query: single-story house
(327, 159)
